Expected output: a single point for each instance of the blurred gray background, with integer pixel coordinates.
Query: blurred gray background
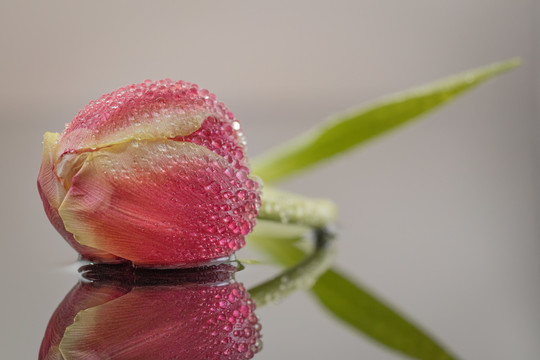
(441, 218)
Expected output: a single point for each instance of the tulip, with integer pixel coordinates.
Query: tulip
(198, 314)
(153, 173)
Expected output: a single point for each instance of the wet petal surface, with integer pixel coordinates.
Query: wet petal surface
(161, 203)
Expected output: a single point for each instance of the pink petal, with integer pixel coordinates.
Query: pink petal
(52, 194)
(150, 110)
(164, 203)
(48, 182)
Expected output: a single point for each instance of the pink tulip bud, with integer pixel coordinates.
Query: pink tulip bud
(153, 173)
(203, 314)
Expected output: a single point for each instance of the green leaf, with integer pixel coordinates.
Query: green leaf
(358, 126)
(363, 311)
(354, 305)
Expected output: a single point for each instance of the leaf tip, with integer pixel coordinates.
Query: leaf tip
(503, 66)
(513, 62)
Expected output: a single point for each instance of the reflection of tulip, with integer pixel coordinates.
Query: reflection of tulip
(169, 317)
(154, 173)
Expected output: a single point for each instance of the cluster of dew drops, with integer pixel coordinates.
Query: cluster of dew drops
(231, 313)
(242, 198)
(150, 102)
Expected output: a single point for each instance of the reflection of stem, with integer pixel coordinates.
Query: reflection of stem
(299, 277)
(295, 209)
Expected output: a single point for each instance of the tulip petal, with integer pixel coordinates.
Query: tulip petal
(150, 110)
(167, 322)
(53, 193)
(48, 182)
(81, 297)
(165, 203)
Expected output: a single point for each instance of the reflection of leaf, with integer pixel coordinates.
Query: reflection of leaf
(364, 312)
(357, 126)
(301, 276)
(356, 306)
